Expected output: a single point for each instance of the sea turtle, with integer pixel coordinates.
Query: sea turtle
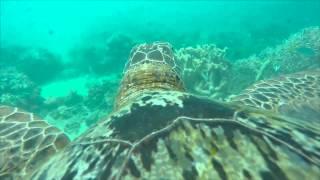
(159, 131)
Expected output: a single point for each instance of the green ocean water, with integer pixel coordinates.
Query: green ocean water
(64, 59)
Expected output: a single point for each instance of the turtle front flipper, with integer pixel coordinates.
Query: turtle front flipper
(295, 95)
(26, 142)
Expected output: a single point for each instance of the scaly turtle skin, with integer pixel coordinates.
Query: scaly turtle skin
(295, 95)
(157, 131)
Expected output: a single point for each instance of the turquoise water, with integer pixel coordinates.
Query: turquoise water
(61, 26)
(66, 56)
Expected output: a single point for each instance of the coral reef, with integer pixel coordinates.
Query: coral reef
(16, 89)
(205, 70)
(39, 65)
(299, 52)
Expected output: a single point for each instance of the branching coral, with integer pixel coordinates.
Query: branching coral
(205, 70)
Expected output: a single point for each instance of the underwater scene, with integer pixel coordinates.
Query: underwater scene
(159, 89)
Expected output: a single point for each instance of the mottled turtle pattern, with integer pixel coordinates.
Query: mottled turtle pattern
(158, 131)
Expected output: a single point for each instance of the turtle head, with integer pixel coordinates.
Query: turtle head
(150, 67)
